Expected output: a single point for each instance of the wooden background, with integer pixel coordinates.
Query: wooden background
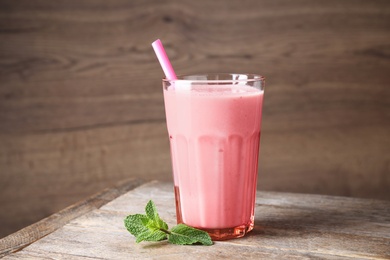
(81, 104)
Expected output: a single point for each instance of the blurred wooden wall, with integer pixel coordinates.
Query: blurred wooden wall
(81, 104)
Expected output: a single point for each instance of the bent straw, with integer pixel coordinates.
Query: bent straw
(163, 59)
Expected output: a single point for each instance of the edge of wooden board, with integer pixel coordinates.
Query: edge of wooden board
(26, 236)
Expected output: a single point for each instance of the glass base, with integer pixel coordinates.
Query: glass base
(218, 234)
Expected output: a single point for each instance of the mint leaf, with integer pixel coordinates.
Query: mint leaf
(146, 229)
(185, 235)
(151, 227)
(152, 214)
(151, 235)
(135, 224)
(151, 210)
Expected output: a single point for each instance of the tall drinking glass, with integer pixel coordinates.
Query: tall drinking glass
(214, 124)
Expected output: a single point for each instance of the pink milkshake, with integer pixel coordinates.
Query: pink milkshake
(214, 130)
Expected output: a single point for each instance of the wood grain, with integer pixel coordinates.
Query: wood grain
(81, 104)
(287, 226)
(48, 225)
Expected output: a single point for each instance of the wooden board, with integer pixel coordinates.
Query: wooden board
(288, 226)
(30, 234)
(81, 104)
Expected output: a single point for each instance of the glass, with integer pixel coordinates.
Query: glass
(214, 124)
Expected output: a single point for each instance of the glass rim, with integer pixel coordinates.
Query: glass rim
(250, 78)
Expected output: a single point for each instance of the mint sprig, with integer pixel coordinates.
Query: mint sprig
(151, 227)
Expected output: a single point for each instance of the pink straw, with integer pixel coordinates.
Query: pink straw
(163, 59)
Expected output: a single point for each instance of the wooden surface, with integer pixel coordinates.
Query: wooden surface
(81, 105)
(48, 225)
(287, 226)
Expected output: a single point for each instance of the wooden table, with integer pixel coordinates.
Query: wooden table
(288, 226)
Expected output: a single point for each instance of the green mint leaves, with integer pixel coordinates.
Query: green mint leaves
(185, 235)
(151, 227)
